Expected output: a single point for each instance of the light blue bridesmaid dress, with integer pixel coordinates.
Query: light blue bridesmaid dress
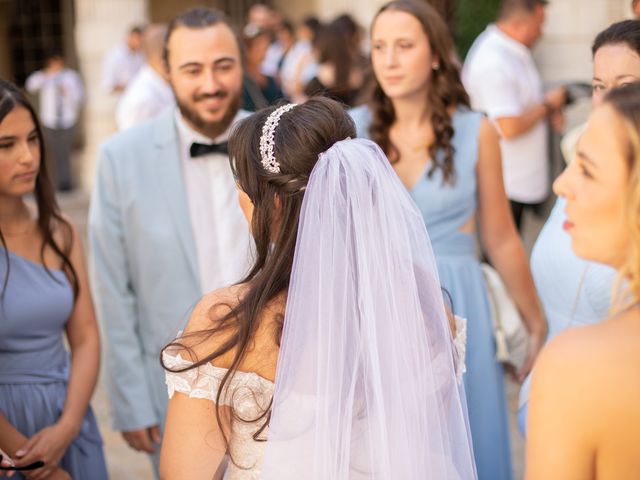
(573, 291)
(446, 209)
(34, 364)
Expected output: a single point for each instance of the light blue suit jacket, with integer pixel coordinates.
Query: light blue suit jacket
(143, 265)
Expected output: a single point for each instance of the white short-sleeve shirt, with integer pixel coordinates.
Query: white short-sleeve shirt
(503, 81)
(146, 96)
(119, 66)
(61, 96)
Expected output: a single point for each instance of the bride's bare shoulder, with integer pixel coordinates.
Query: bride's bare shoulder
(209, 329)
(206, 318)
(214, 306)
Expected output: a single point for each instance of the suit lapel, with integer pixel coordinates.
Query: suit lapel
(172, 186)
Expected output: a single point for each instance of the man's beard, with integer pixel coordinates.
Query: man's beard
(210, 129)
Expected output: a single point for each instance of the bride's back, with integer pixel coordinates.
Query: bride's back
(262, 349)
(244, 398)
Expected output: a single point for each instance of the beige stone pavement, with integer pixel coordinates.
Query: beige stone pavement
(126, 464)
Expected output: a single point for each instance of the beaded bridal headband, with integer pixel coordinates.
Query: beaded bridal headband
(267, 142)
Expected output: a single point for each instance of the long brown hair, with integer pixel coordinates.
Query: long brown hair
(332, 48)
(49, 217)
(300, 137)
(445, 91)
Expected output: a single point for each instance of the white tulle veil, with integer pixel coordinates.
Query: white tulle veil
(365, 384)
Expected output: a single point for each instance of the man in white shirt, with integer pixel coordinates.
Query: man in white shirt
(503, 81)
(165, 226)
(122, 62)
(61, 93)
(148, 93)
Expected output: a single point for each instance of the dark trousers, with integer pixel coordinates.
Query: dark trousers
(59, 147)
(518, 208)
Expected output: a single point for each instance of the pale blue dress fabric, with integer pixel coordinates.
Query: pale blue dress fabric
(446, 209)
(34, 364)
(573, 291)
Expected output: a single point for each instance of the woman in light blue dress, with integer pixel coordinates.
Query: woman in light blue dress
(574, 291)
(44, 296)
(449, 159)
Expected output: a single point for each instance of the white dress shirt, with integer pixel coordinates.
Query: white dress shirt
(120, 66)
(220, 230)
(146, 95)
(503, 81)
(61, 96)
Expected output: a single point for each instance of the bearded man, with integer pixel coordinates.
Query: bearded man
(165, 226)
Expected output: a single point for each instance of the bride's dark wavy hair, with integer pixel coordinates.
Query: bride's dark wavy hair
(49, 217)
(445, 91)
(300, 137)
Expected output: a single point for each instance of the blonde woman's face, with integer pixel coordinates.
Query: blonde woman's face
(595, 186)
(400, 54)
(613, 66)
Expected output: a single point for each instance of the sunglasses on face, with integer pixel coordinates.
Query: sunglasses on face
(31, 466)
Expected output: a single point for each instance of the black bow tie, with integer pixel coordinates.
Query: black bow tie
(201, 149)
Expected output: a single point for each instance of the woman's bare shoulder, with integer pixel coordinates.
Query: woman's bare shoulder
(197, 338)
(214, 306)
(590, 358)
(203, 334)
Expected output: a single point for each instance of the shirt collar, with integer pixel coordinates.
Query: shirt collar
(188, 135)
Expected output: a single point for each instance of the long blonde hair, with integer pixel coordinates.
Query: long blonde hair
(626, 102)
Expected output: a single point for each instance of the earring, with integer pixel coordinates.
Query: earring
(435, 66)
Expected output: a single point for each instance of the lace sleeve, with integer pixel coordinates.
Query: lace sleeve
(248, 393)
(460, 344)
(201, 382)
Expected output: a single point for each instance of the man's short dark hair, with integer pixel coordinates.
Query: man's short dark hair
(137, 30)
(510, 7)
(198, 17)
(54, 53)
(288, 26)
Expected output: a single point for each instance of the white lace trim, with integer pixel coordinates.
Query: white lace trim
(247, 392)
(204, 381)
(460, 344)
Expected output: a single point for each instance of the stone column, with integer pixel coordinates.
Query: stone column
(100, 24)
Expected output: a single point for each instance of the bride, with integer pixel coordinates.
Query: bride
(333, 359)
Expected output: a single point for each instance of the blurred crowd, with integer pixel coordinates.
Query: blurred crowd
(468, 139)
